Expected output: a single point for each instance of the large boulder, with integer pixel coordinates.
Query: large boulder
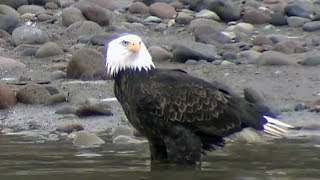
(71, 15)
(84, 28)
(14, 3)
(162, 10)
(33, 93)
(86, 64)
(7, 10)
(7, 64)
(8, 22)
(33, 9)
(110, 5)
(49, 49)
(29, 35)
(184, 50)
(7, 96)
(95, 13)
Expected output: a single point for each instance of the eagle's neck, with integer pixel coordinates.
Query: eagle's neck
(133, 74)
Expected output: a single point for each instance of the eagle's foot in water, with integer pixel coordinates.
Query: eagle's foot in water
(158, 151)
(183, 146)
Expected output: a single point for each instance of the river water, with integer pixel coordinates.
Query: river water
(27, 159)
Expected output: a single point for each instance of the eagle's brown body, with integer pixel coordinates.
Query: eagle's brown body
(182, 115)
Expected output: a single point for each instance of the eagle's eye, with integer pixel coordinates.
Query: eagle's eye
(125, 43)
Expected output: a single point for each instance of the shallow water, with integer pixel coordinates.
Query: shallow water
(26, 159)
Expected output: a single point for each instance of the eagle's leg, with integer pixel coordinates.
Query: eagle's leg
(183, 146)
(158, 150)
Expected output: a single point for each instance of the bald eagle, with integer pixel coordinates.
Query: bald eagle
(181, 116)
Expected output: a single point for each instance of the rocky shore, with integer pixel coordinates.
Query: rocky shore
(53, 82)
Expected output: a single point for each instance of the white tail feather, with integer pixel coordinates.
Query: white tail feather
(275, 127)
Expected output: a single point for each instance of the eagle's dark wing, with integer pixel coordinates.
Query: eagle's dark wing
(174, 96)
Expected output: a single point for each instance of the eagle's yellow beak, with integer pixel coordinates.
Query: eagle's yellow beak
(134, 47)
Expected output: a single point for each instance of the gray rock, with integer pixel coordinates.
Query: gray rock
(33, 93)
(162, 10)
(249, 56)
(153, 19)
(207, 14)
(4, 35)
(226, 63)
(34, 9)
(138, 7)
(93, 107)
(110, 5)
(7, 96)
(122, 139)
(87, 64)
(8, 64)
(49, 49)
(29, 35)
(70, 126)
(159, 54)
(256, 17)
(122, 130)
(184, 50)
(278, 16)
(56, 99)
(286, 46)
(66, 109)
(14, 3)
(8, 23)
(227, 10)
(87, 139)
(275, 58)
(7, 10)
(95, 13)
(209, 35)
(204, 23)
(71, 15)
(44, 17)
(134, 19)
(301, 8)
(296, 21)
(311, 61)
(184, 18)
(51, 5)
(84, 28)
(29, 52)
(311, 26)
(252, 96)
(58, 75)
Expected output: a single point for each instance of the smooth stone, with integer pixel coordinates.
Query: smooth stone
(296, 21)
(29, 35)
(70, 126)
(122, 130)
(46, 17)
(9, 23)
(84, 28)
(275, 58)
(159, 54)
(95, 13)
(301, 8)
(252, 96)
(52, 90)
(87, 139)
(204, 23)
(31, 52)
(71, 15)
(249, 56)
(261, 40)
(58, 75)
(311, 26)
(207, 14)
(14, 3)
(93, 107)
(278, 15)
(184, 18)
(138, 7)
(8, 64)
(66, 109)
(153, 19)
(209, 35)
(7, 10)
(134, 19)
(49, 49)
(28, 17)
(162, 10)
(311, 61)
(4, 35)
(227, 10)
(51, 5)
(226, 63)
(33, 93)
(34, 9)
(110, 5)
(286, 46)
(122, 139)
(7, 96)
(56, 99)
(256, 17)
(80, 68)
(300, 107)
(184, 50)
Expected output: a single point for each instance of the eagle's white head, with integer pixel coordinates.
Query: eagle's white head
(127, 52)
